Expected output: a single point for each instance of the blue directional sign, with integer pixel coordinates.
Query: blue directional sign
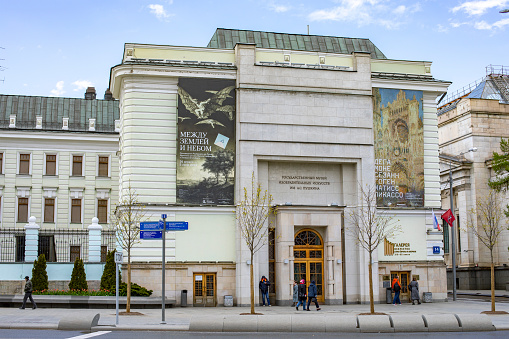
(436, 249)
(151, 234)
(151, 226)
(163, 216)
(177, 225)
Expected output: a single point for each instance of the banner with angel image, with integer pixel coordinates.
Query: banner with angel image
(206, 141)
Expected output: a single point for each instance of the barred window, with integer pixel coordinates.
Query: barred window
(49, 210)
(24, 164)
(76, 211)
(22, 209)
(445, 227)
(51, 164)
(74, 251)
(77, 165)
(103, 167)
(1, 162)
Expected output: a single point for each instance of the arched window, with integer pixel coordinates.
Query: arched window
(307, 237)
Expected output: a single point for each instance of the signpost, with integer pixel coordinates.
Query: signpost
(119, 259)
(157, 230)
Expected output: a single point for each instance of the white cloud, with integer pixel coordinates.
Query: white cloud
(442, 29)
(159, 11)
(279, 8)
(59, 89)
(483, 25)
(82, 84)
(364, 12)
(479, 7)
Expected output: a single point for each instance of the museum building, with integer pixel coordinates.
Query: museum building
(314, 119)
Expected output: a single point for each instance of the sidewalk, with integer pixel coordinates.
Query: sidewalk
(439, 316)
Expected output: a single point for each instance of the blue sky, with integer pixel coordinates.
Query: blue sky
(58, 48)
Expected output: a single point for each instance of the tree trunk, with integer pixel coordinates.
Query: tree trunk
(251, 276)
(371, 301)
(128, 303)
(492, 285)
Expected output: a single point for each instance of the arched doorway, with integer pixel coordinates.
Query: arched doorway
(308, 262)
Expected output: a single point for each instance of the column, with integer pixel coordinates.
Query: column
(94, 241)
(31, 240)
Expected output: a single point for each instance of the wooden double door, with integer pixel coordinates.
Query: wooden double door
(308, 260)
(204, 293)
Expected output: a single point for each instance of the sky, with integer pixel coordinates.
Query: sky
(60, 47)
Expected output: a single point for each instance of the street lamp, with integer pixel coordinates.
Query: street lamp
(473, 149)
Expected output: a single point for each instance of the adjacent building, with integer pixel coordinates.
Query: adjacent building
(313, 119)
(474, 118)
(59, 164)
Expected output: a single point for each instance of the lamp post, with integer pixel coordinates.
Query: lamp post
(473, 149)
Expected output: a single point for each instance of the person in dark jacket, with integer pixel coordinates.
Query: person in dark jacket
(312, 293)
(396, 287)
(414, 291)
(301, 291)
(264, 289)
(28, 294)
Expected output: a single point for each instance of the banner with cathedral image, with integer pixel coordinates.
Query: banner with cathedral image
(399, 147)
(206, 141)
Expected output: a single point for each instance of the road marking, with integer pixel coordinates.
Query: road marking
(90, 335)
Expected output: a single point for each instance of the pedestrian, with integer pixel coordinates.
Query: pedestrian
(295, 293)
(301, 291)
(396, 287)
(312, 293)
(28, 294)
(264, 289)
(414, 291)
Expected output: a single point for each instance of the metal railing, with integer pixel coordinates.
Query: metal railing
(12, 245)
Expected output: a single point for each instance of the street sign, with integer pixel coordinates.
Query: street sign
(163, 216)
(436, 249)
(151, 234)
(151, 226)
(119, 257)
(175, 225)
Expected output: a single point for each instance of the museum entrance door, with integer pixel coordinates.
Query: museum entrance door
(308, 262)
(204, 293)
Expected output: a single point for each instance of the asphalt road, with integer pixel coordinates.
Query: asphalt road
(31, 334)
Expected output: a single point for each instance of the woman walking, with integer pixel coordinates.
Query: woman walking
(295, 293)
(414, 291)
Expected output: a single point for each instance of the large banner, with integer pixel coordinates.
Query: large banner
(206, 141)
(399, 147)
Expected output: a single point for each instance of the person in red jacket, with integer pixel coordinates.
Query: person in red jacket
(396, 287)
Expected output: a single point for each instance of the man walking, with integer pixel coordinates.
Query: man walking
(28, 294)
(312, 293)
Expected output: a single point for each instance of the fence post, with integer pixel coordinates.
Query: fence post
(31, 240)
(94, 241)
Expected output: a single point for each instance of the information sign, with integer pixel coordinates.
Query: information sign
(151, 234)
(119, 257)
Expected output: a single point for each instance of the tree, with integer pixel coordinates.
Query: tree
(39, 274)
(78, 276)
(108, 278)
(486, 224)
(501, 167)
(128, 215)
(372, 226)
(252, 214)
(221, 163)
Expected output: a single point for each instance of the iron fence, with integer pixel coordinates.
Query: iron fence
(12, 245)
(108, 243)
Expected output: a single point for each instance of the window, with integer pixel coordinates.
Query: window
(77, 165)
(103, 167)
(458, 248)
(22, 209)
(74, 252)
(24, 164)
(104, 253)
(102, 211)
(49, 210)
(51, 164)
(76, 211)
(1, 162)
(445, 227)
(20, 248)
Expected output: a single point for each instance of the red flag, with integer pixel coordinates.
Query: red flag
(448, 217)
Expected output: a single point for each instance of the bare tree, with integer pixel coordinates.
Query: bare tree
(128, 215)
(252, 214)
(486, 224)
(373, 225)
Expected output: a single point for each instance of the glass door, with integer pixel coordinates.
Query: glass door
(204, 293)
(308, 260)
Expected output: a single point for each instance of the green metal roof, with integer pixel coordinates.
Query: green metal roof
(53, 109)
(228, 38)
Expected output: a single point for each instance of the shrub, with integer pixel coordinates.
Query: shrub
(108, 277)
(136, 290)
(39, 274)
(78, 277)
